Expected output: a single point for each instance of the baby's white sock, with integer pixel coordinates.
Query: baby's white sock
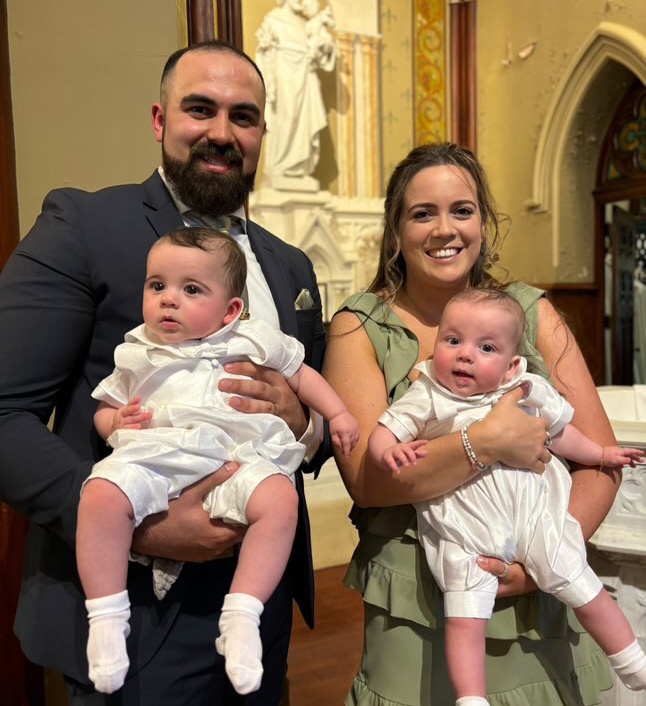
(106, 644)
(239, 642)
(472, 701)
(630, 666)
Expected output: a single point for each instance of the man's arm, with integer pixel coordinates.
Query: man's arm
(46, 315)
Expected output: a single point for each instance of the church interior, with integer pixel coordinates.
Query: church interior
(551, 96)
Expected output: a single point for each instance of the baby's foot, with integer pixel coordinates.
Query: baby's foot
(239, 642)
(106, 646)
(630, 666)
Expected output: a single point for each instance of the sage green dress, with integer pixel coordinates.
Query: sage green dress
(537, 652)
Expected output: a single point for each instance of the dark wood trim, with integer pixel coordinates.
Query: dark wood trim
(230, 21)
(9, 228)
(568, 287)
(581, 305)
(629, 186)
(21, 683)
(201, 21)
(621, 190)
(463, 73)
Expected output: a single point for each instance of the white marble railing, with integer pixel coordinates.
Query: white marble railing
(621, 539)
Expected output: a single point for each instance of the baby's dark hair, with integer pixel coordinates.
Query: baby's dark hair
(499, 298)
(233, 261)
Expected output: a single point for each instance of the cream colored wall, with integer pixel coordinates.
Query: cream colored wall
(514, 97)
(84, 74)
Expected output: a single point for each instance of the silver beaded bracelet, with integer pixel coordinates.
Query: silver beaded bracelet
(471, 454)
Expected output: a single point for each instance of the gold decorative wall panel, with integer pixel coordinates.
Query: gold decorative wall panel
(430, 71)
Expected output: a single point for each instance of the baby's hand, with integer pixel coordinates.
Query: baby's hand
(399, 455)
(615, 456)
(131, 416)
(344, 431)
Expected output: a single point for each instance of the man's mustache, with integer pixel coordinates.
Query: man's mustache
(205, 151)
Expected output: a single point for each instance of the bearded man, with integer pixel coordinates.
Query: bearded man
(68, 294)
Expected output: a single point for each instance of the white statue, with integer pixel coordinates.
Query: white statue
(294, 43)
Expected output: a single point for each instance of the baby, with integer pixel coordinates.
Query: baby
(512, 514)
(187, 430)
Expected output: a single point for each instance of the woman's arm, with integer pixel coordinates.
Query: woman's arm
(593, 490)
(352, 370)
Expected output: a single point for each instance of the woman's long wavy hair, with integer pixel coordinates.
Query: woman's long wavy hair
(391, 271)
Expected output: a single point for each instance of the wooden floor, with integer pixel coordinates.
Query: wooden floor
(323, 661)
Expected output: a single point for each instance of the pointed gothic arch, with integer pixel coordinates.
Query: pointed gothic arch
(334, 268)
(609, 42)
(611, 47)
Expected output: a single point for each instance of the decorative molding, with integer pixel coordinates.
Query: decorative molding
(609, 42)
(369, 48)
(463, 75)
(339, 235)
(623, 532)
(430, 71)
(346, 109)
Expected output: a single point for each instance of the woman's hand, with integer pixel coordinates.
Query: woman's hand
(511, 436)
(512, 578)
(185, 532)
(264, 390)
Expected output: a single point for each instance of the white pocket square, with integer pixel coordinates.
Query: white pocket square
(304, 300)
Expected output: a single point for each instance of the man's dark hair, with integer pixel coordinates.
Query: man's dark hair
(213, 45)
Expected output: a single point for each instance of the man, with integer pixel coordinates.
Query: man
(67, 296)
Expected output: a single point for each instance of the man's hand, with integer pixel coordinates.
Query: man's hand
(185, 532)
(266, 392)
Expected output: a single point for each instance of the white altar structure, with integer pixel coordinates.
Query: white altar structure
(621, 539)
(340, 232)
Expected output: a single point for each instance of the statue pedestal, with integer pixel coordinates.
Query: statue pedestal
(341, 235)
(293, 184)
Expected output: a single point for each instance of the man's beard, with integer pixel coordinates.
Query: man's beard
(208, 192)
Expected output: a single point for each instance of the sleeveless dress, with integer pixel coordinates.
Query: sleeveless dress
(537, 651)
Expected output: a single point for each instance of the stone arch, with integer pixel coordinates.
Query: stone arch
(570, 139)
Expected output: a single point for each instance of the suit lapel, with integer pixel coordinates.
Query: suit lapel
(162, 214)
(164, 217)
(273, 267)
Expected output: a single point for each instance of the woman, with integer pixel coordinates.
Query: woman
(441, 234)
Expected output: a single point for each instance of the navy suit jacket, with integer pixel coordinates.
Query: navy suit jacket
(68, 294)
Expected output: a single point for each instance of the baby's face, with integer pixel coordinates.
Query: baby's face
(184, 298)
(475, 349)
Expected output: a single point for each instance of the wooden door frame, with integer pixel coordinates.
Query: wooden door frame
(629, 185)
(9, 230)
(21, 683)
(201, 24)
